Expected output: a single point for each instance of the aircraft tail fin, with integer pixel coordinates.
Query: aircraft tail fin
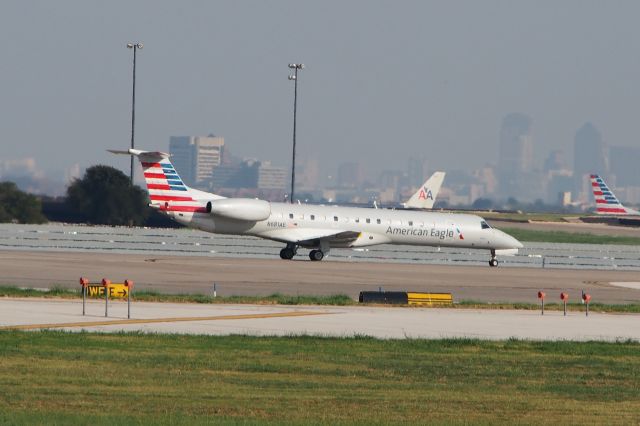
(606, 201)
(166, 189)
(427, 193)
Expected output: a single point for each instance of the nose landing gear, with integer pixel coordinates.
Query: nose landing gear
(493, 262)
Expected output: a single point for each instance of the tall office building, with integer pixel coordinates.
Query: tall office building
(195, 157)
(272, 177)
(589, 156)
(416, 168)
(515, 159)
(623, 162)
(350, 175)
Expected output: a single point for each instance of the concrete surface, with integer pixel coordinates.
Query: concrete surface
(381, 322)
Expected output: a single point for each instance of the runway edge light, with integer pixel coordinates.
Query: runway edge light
(565, 298)
(586, 298)
(541, 296)
(84, 282)
(129, 286)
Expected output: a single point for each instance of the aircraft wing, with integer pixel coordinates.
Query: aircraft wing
(308, 236)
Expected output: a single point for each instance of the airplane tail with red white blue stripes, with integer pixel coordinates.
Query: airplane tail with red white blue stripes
(167, 191)
(606, 202)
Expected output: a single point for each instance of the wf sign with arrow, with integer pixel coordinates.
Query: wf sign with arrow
(115, 290)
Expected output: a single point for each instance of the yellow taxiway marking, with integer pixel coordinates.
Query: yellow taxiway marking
(157, 320)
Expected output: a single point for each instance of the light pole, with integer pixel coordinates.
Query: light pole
(135, 47)
(294, 77)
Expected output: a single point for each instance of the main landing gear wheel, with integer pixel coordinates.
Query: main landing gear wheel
(316, 255)
(287, 253)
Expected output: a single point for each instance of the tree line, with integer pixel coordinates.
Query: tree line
(103, 196)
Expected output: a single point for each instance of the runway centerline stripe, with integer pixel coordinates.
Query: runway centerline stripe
(160, 320)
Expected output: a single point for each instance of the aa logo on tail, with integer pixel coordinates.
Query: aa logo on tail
(425, 193)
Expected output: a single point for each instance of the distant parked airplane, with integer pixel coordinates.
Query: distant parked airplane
(606, 201)
(316, 227)
(427, 193)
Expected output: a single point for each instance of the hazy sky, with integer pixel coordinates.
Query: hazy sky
(383, 80)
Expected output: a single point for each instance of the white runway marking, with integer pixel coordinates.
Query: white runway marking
(634, 285)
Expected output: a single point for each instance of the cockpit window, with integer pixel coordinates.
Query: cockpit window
(484, 225)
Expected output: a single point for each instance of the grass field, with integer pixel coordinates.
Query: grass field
(568, 237)
(525, 217)
(154, 296)
(283, 299)
(71, 378)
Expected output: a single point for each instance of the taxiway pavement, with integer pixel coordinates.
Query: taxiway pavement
(260, 320)
(244, 276)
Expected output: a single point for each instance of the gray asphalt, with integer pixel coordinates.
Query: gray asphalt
(244, 276)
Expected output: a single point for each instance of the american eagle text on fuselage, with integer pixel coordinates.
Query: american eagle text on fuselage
(422, 232)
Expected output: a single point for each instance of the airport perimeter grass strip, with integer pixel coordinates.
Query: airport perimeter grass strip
(526, 217)
(333, 300)
(529, 235)
(153, 296)
(99, 379)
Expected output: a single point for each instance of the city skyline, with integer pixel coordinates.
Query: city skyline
(430, 79)
(514, 175)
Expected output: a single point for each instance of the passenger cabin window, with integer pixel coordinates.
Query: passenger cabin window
(368, 220)
(335, 218)
(357, 220)
(378, 221)
(410, 223)
(290, 215)
(313, 217)
(484, 225)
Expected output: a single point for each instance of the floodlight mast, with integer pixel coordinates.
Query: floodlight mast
(294, 77)
(135, 47)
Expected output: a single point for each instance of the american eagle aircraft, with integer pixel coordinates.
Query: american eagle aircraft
(314, 227)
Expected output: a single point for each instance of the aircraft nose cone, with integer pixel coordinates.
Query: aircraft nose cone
(517, 244)
(507, 240)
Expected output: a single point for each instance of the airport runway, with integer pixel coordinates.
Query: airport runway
(380, 322)
(189, 242)
(250, 276)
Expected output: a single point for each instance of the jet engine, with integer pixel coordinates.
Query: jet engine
(248, 209)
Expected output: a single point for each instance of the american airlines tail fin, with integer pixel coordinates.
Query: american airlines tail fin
(606, 201)
(166, 189)
(426, 195)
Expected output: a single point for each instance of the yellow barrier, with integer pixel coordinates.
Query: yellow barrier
(429, 299)
(115, 290)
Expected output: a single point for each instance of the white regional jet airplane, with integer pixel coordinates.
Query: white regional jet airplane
(316, 227)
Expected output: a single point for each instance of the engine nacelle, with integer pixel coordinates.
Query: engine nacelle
(247, 209)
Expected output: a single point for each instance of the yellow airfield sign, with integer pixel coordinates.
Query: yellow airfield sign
(115, 290)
